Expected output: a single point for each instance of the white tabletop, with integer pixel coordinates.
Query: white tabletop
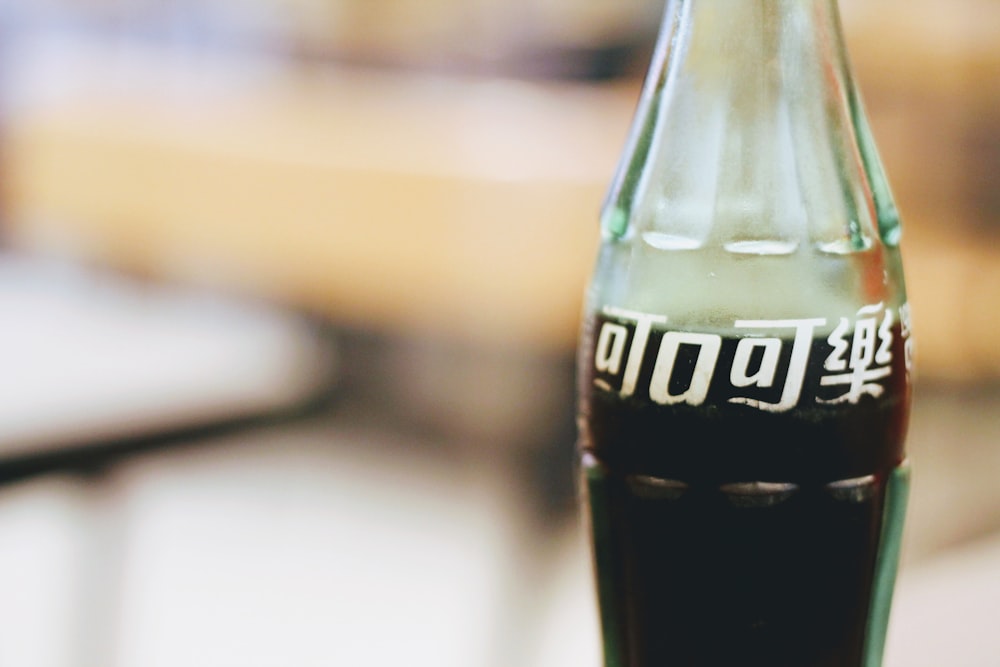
(87, 356)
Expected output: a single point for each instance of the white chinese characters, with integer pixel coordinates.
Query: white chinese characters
(801, 347)
(768, 360)
(869, 358)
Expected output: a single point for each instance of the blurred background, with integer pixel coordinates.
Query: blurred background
(289, 293)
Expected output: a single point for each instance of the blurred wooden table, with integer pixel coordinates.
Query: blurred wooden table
(467, 208)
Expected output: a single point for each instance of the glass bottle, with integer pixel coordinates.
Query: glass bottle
(744, 368)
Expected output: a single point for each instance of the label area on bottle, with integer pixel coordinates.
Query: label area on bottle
(792, 401)
(769, 365)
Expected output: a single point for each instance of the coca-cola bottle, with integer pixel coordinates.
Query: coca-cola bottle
(745, 358)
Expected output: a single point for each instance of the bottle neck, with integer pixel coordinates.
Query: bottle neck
(745, 135)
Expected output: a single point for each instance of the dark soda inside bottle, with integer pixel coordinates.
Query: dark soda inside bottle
(733, 535)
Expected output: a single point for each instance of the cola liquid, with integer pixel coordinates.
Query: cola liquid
(732, 532)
